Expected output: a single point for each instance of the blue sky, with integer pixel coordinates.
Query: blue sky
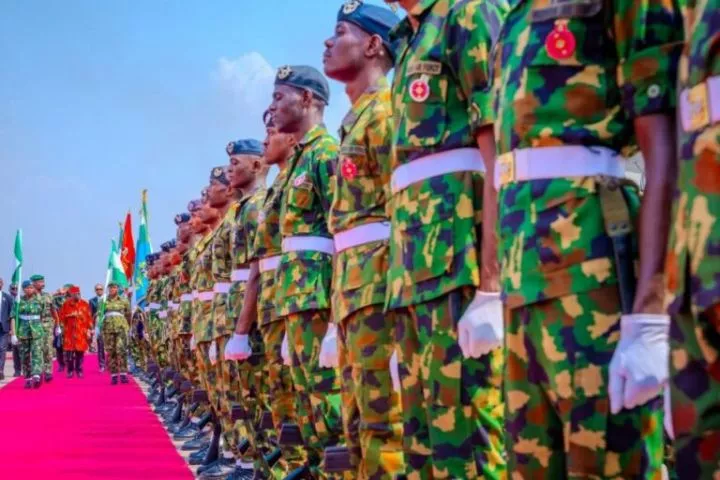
(101, 99)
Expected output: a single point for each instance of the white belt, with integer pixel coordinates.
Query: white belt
(194, 294)
(174, 306)
(240, 275)
(436, 164)
(205, 296)
(270, 263)
(312, 243)
(370, 232)
(568, 161)
(700, 105)
(222, 287)
(186, 297)
(114, 314)
(29, 317)
(162, 314)
(154, 306)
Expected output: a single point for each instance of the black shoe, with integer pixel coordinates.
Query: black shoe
(36, 382)
(123, 378)
(183, 423)
(80, 374)
(17, 374)
(61, 368)
(219, 470)
(2, 376)
(69, 374)
(241, 473)
(48, 377)
(213, 453)
(113, 380)
(300, 473)
(196, 444)
(28, 383)
(187, 433)
(196, 458)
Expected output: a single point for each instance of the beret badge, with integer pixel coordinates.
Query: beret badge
(350, 6)
(217, 172)
(230, 147)
(284, 72)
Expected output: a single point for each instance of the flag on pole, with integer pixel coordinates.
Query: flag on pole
(142, 250)
(115, 266)
(127, 249)
(17, 274)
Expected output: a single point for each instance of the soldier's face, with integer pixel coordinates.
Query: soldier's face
(208, 214)
(217, 193)
(183, 232)
(346, 52)
(29, 291)
(243, 170)
(288, 108)
(278, 146)
(196, 222)
(39, 285)
(13, 290)
(113, 290)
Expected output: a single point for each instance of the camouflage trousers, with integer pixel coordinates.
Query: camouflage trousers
(222, 373)
(372, 417)
(139, 351)
(452, 406)
(208, 378)
(32, 340)
(559, 423)
(48, 350)
(317, 389)
(695, 392)
(279, 394)
(116, 351)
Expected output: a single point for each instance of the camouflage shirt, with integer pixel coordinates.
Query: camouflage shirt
(184, 288)
(303, 277)
(48, 313)
(114, 323)
(696, 231)
(222, 268)
(30, 306)
(202, 281)
(360, 197)
(441, 96)
(574, 74)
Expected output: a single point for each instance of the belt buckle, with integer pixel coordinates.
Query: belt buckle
(696, 100)
(506, 168)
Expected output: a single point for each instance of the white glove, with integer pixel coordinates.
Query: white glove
(639, 367)
(667, 414)
(238, 348)
(14, 340)
(285, 351)
(193, 345)
(395, 373)
(212, 353)
(480, 329)
(58, 330)
(329, 348)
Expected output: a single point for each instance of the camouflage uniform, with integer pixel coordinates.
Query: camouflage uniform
(188, 364)
(48, 323)
(575, 77)
(175, 320)
(372, 418)
(244, 379)
(137, 345)
(31, 333)
(115, 332)
(278, 392)
(693, 262)
(303, 288)
(452, 410)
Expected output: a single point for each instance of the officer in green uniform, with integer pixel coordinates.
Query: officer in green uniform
(30, 334)
(304, 273)
(259, 309)
(693, 261)
(115, 325)
(582, 86)
(48, 322)
(441, 266)
(359, 55)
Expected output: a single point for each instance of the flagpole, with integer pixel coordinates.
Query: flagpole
(17, 250)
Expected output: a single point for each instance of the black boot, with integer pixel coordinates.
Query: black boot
(213, 452)
(123, 378)
(48, 377)
(192, 430)
(200, 441)
(28, 383)
(36, 381)
(196, 458)
(113, 380)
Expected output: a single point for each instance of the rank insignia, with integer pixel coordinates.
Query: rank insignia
(284, 72)
(178, 219)
(230, 147)
(350, 6)
(217, 173)
(560, 43)
(420, 89)
(348, 169)
(300, 179)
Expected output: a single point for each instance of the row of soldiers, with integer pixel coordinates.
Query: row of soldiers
(465, 285)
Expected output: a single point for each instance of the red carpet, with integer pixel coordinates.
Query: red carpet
(83, 429)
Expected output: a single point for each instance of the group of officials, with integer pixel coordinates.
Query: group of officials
(465, 285)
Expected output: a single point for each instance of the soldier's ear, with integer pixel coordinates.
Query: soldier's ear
(307, 99)
(374, 47)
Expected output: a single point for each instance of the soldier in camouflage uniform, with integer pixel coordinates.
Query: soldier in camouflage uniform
(115, 324)
(692, 262)
(30, 334)
(359, 55)
(580, 86)
(304, 274)
(441, 261)
(186, 241)
(258, 309)
(137, 342)
(48, 323)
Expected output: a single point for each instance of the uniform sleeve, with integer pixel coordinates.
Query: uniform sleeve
(379, 137)
(473, 26)
(649, 38)
(324, 173)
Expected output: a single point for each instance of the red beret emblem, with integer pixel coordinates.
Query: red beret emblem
(560, 43)
(348, 169)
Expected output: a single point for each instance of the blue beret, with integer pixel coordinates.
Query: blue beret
(166, 247)
(27, 283)
(36, 278)
(181, 218)
(304, 77)
(194, 205)
(150, 258)
(249, 146)
(373, 19)
(219, 174)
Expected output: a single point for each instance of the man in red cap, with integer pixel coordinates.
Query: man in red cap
(76, 321)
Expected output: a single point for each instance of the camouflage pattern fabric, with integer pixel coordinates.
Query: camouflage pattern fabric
(115, 333)
(48, 323)
(692, 259)
(452, 406)
(202, 281)
(31, 334)
(221, 254)
(372, 417)
(303, 277)
(558, 414)
(208, 376)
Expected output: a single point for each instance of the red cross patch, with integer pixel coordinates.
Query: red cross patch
(348, 169)
(560, 43)
(419, 90)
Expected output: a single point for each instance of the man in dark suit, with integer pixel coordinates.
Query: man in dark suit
(6, 308)
(94, 306)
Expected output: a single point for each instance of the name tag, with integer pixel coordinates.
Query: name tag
(425, 67)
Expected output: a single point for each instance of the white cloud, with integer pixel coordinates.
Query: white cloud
(246, 82)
